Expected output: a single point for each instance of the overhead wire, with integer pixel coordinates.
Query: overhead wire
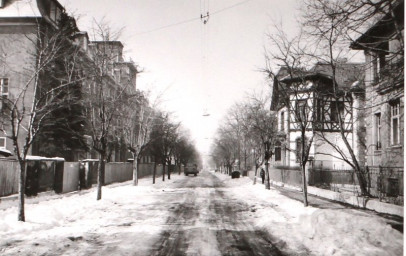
(205, 12)
(194, 19)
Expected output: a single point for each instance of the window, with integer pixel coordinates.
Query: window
(395, 122)
(278, 152)
(378, 131)
(4, 86)
(378, 65)
(54, 11)
(301, 110)
(282, 121)
(319, 110)
(3, 142)
(337, 109)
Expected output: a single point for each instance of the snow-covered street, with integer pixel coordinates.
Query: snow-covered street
(205, 215)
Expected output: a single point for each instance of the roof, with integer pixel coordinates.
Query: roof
(383, 28)
(20, 8)
(346, 74)
(107, 42)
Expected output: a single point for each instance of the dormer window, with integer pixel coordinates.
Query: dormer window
(54, 11)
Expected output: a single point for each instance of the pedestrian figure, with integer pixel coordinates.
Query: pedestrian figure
(262, 173)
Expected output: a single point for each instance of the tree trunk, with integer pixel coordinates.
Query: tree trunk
(100, 175)
(163, 171)
(255, 175)
(21, 191)
(135, 169)
(305, 202)
(267, 181)
(153, 174)
(169, 171)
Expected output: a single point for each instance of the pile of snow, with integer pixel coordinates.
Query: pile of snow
(77, 220)
(43, 158)
(308, 230)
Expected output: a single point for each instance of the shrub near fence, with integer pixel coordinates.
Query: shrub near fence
(328, 177)
(386, 183)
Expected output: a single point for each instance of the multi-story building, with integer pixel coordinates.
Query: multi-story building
(123, 81)
(22, 24)
(383, 47)
(306, 99)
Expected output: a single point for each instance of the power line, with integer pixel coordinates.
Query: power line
(167, 26)
(232, 6)
(191, 20)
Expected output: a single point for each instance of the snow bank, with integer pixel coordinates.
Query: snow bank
(312, 231)
(123, 216)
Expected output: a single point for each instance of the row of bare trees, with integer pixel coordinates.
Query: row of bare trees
(296, 64)
(67, 92)
(327, 30)
(247, 136)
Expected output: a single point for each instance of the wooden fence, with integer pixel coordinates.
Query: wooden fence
(64, 177)
(8, 177)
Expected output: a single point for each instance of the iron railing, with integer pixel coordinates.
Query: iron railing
(385, 183)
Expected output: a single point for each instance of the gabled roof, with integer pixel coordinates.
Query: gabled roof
(346, 75)
(383, 28)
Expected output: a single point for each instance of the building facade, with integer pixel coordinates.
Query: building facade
(306, 99)
(22, 25)
(383, 47)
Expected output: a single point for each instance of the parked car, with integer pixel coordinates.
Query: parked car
(191, 169)
(235, 174)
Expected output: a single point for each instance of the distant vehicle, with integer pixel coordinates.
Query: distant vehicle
(191, 169)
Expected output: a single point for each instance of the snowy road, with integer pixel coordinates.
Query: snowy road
(205, 215)
(207, 222)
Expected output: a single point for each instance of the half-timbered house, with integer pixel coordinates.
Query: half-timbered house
(307, 100)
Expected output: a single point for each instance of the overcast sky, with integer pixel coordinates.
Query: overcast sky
(197, 66)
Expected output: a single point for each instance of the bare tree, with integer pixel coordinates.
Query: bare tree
(260, 126)
(292, 91)
(163, 137)
(226, 147)
(105, 95)
(25, 109)
(137, 128)
(184, 150)
(333, 26)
